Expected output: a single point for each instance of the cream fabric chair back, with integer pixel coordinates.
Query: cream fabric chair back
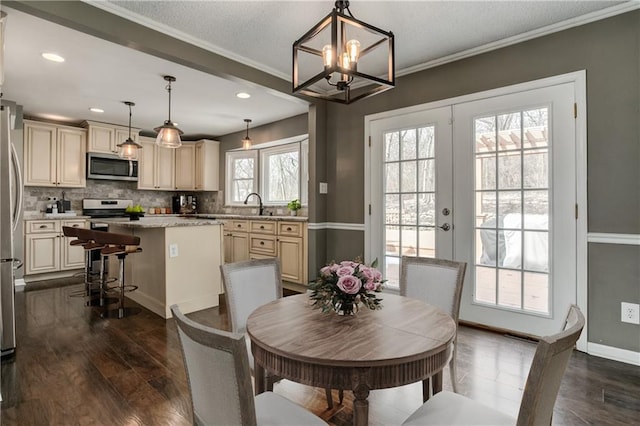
(437, 282)
(218, 373)
(248, 285)
(548, 366)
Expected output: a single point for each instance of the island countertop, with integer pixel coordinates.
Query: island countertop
(158, 222)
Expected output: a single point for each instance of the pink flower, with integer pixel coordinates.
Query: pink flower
(326, 271)
(349, 284)
(344, 270)
(370, 285)
(349, 263)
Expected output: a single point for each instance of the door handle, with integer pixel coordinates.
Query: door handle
(445, 227)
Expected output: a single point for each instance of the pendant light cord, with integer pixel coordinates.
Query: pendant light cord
(169, 90)
(129, 121)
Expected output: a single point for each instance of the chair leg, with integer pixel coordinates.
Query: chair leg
(340, 395)
(452, 371)
(327, 392)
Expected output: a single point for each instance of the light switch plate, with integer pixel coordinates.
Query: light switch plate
(173, 250)
(323, 187)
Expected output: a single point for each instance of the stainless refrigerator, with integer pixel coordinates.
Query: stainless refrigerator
(11, 192)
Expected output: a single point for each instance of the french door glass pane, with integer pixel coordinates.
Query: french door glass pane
(512, 210)
(409, 196)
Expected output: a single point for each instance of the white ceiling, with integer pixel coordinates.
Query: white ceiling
(258, 33)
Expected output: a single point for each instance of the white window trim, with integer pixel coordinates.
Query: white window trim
(230, 157)
(264, 169)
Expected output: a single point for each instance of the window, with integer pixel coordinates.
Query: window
(241, 175)
(282, 175)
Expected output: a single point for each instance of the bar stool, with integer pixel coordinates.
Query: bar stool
(97, 297)
(119, 245)
(83, 237)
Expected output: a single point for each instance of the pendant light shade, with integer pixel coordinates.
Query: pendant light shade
(168, 133)
(342, 59)
(246, 141)
(129, 148)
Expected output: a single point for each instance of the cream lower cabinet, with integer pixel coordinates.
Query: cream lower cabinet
(48, 250)
(156, 166)
(54, 155)
(236, 241)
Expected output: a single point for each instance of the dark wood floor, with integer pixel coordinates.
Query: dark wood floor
(72, 367)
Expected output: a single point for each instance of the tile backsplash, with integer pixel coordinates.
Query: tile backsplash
(35, 197)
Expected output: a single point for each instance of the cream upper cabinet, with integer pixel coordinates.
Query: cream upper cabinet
(185, 167)
(197, 166)
(104, 138)
(54, 155)
(156, 166)
(207, 164)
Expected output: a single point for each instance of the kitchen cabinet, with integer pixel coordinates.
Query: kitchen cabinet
(261, 239)
(185, 167)
(292, 251)
(104, 138)
(48, 250)
(197, 166)
(54, 156)
(156, 166)
(236, 240)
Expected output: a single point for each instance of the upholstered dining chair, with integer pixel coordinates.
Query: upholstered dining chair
(436, 282)
(219, 379)
(540, 392)
(248, 285)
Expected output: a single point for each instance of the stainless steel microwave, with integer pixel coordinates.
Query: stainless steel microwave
(111, 167)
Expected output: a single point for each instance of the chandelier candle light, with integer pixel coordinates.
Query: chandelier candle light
(168, 133)
(342, 287)
(357, 59)
(129, 148)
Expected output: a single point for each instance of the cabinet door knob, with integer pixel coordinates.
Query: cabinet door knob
(43, 226)
(239, 226)
(76, 225)
(261, 243)
(288, 228)
(261, 226)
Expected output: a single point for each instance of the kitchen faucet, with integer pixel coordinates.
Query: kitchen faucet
(259, 199)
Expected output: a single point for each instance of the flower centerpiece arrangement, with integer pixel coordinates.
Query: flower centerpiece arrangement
(341, 287)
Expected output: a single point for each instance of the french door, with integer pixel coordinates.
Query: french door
(491, 182)
(413, 188)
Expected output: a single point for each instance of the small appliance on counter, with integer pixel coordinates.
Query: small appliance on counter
(184, 204)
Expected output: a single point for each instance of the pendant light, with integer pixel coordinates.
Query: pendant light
(168, 133)
(246, 142)
(337, 72)
(129, 148)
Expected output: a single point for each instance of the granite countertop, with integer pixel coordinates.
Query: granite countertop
(43, 216)
(160, 221)
(223, 216)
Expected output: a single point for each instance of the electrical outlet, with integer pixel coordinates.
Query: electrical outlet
(173, 250)
(630, 312)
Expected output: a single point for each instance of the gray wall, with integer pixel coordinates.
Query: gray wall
(609, 50)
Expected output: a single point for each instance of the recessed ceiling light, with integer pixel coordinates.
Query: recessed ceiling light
(96, 110)
(243, 95)
(53, 57)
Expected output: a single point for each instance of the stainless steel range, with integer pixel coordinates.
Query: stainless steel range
(103, 208)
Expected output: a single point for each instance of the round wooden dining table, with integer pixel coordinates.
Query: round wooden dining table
(404, 342)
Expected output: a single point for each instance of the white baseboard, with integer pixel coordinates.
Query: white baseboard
(148, 302)
(19, 284)
(162, 309)
(615, 354)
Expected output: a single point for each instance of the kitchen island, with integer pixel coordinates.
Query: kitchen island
(179, 263)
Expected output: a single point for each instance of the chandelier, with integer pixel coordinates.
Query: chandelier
(342, 59)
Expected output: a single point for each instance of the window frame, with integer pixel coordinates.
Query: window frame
(230, 158)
